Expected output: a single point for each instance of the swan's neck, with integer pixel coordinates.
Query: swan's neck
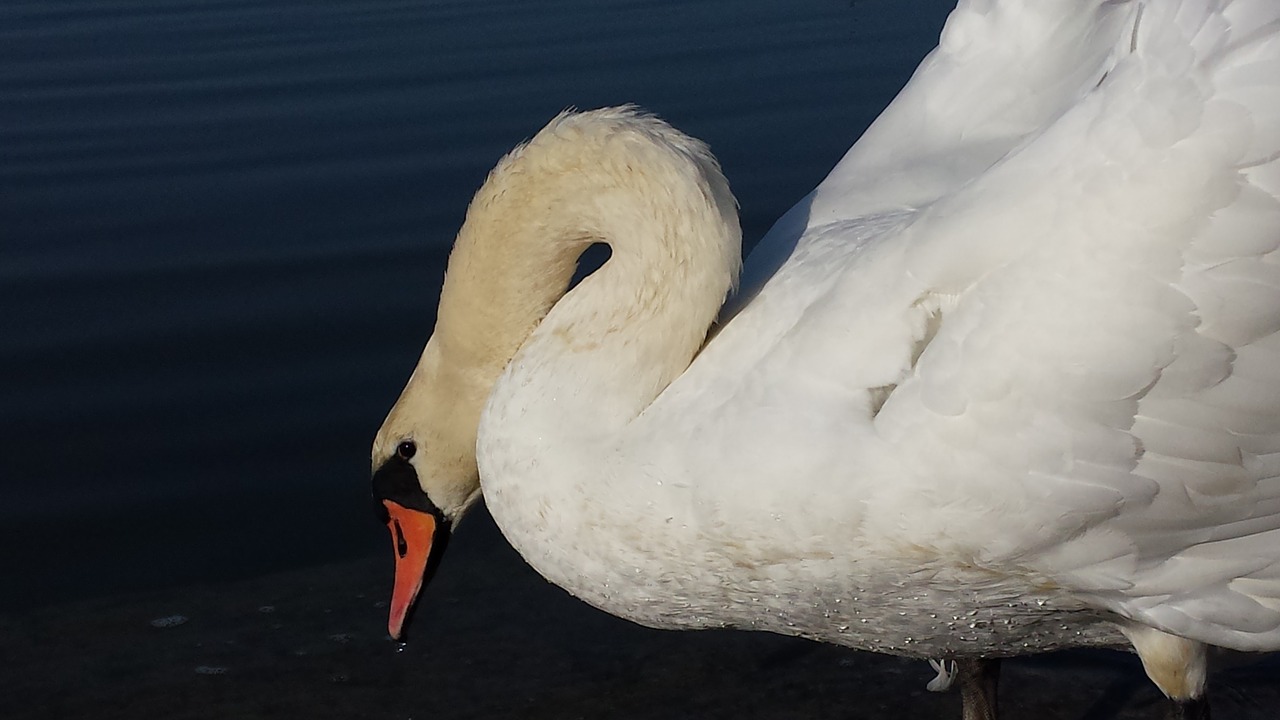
(603, 351)
(608, 347)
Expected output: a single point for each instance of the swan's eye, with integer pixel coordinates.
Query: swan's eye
(406, 449)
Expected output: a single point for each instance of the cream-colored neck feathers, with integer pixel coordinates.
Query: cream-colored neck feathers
(657, 198)
(654, 195)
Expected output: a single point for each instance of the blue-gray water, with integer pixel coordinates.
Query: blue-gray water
(223, 225)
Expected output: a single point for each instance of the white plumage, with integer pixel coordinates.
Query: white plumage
(1008, 380)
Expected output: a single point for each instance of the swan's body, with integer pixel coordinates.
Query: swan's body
(733, 498)
(1007, 381)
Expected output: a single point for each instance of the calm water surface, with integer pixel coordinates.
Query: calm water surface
(223, 226)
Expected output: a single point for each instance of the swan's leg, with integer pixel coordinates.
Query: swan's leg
(1178, 666)
(978, 680)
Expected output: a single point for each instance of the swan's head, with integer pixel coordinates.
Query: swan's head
(424, 472)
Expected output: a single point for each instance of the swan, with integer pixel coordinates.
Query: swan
(1006, 382)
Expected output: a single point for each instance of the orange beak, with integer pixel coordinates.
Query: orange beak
(414, 539)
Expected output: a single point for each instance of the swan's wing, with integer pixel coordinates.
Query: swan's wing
(1104, 383)
(1001, 72)
(1067, 368)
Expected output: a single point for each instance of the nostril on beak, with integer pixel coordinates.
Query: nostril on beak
(402, 548)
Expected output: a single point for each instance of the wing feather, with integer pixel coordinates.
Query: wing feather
(1112, 367)
(1031, 321)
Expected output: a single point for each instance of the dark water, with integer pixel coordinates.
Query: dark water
(223, 225)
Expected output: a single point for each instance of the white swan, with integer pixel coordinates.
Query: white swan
(1008, 381)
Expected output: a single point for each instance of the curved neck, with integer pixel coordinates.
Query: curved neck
(603, 351)
(612, 344)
